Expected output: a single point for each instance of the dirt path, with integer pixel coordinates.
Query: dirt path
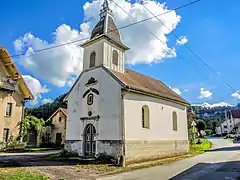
(56, 170)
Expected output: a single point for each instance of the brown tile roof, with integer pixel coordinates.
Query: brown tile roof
(64, 111)
(147, 84)
(5, 56)
(235, 113)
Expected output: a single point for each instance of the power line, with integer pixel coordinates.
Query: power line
(180, 57)
(191, 50)
(119, 28)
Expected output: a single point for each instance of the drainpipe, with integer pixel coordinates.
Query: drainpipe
(123, 158)
(22, 118)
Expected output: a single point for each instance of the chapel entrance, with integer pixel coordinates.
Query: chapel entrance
(89, 140)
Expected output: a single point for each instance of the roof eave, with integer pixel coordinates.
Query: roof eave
(140, 91)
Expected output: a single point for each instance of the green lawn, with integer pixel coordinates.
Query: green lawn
(20, 174)
(37, 149)
(200, 148)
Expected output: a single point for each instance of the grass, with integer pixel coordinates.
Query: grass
(37, 149)
(106, 169)
(200, 148)
(20, 174)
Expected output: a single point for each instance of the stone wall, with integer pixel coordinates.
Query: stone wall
(137, 151)
(110, 147)
(73, 146)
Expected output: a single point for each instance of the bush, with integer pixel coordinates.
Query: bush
(65, 153)
(14, 145)
(2, 145)
(199, 141)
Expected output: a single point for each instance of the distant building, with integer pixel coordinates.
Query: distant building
(13, 94)
(231, 124)
(56, 129)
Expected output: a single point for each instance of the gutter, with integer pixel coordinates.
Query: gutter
(123, 159)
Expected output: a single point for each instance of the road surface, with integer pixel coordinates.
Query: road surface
(222, 162)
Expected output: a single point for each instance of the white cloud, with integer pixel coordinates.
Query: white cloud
(55, 65)
(58, 65)
(47, 100)
(236, 95)
(182, 40)
(176, 90)
(204, 93)
(219, 104)
(35, 87)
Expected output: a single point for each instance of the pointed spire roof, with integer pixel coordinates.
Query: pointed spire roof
(106, 24)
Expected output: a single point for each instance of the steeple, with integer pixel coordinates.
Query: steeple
(106, 24)
(104, 47)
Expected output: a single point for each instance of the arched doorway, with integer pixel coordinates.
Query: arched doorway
(89, 140)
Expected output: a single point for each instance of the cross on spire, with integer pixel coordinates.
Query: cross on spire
(105, 9)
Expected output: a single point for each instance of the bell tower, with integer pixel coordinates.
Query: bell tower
(105, 46)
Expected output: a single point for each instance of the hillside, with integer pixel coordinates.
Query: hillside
(46, 110)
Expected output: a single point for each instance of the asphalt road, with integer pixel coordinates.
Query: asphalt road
(222, 162)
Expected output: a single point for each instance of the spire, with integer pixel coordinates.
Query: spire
(105, 10)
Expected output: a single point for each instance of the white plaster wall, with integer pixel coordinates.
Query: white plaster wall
(161, 127)
(107, 56)
(98, 48)
(107, 105)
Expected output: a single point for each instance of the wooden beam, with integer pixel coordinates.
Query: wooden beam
(8, 64)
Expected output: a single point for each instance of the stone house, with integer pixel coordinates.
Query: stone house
(120, 112)
(56, 129)
(13, 94)
(231, 124)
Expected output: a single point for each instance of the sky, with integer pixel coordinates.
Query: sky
(208, 28)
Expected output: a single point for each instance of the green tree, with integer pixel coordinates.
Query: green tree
(201, 125)
(31, 122)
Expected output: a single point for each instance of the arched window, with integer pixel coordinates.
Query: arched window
(115, 57)
(92, 59)
(145, 117)
(174, 120)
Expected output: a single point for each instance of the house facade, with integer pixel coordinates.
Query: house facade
(13, 94)
(231, 124)
(56, 130)
(117, 111)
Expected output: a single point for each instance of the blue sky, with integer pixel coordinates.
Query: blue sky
(211, 28)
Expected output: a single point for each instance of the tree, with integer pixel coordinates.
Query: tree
(33, 123)
(201, 125)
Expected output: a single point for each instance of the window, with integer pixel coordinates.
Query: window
(90, 99)
(92, 59)
(225, 126)
(9, 109)
(174, 119)
(5, 134)
(145, 117)
(60, 119)
(115, 57)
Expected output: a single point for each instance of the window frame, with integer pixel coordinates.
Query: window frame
(174, 121)
(9, 109)
(90, 97)
(5, 134)
(115, 57)
(92, 62)
(145, 117)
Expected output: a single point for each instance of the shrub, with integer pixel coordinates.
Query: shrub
(65, 153)
(14, 145)
(199, 141)
(2, 145)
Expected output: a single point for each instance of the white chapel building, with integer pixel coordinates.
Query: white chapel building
(120, 112)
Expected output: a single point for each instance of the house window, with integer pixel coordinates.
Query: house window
(92, 59)
(115, 57)
(174, 120)
(225, 126)
(145, 116)
(9, 109)
(60, 119)
(90, 99)
(5, 134)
